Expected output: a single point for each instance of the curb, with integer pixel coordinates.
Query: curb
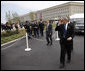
(13, 41)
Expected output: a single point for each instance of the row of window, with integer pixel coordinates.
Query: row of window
(61, 15)
(55, 12)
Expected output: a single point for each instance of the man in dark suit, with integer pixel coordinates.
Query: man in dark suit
(66, 34)
(49, 33)
(36, 29)
(73, 23)
(41, 27)
(27, 27)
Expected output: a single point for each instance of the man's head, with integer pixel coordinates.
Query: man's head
(65, 20)
(60, 21)
(68, 19)
(47, 21)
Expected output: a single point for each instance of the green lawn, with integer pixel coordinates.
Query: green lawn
(12, 37)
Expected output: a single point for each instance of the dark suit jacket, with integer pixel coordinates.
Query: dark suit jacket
(41, 26)
(27, 27)
(70, 32)
(36, 26)
(49, 30)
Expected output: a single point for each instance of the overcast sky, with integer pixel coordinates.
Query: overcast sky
(23, 7)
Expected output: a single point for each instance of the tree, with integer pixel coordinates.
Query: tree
(16, 18)
(35, 16)
(8, 17)
(12, 17)
(32, 16)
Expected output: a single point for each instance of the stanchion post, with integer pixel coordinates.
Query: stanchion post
(57, 36)
(27, 49)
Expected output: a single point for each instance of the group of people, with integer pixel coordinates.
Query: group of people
(8, 26)
(65, 29)
(34, 28)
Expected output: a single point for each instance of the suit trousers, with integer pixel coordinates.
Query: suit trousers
(36, 32)
(65, 49)
(41, 32)
(49, 38)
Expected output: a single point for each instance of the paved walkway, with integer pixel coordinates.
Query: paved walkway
(41, 57)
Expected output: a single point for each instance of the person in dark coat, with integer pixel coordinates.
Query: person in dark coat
(49, 33)
(27, 27)
(31, 28)
(66, 34)
(41, 27)
(36, 29)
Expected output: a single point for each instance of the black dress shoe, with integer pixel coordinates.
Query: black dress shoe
(50, 44)
(47, 43)
(62, 66)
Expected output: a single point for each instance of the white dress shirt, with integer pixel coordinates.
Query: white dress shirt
(66, 26)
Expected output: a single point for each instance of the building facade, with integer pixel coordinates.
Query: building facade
(63, 10)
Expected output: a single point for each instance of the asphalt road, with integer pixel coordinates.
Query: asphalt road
(41, 57)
